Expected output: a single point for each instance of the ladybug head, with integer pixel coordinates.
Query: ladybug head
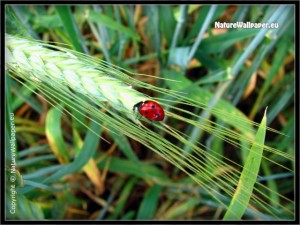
(138, 105)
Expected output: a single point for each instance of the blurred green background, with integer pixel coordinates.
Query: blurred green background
(178, 42)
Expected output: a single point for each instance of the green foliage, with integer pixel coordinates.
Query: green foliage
(83, 154)
(248, 177)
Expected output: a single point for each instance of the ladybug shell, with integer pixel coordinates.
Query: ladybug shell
(152, 110)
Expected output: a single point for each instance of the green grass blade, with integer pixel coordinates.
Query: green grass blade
(14, 24)
(129, 215)
(124, 195)
(70, 26)
(23, 94)
(149, 203)
(87, 151)
(243, 192)
(201, 18)
(107, 21)
(38, 184)
(32, 150)
(182, 209)
(167, 22)
(54, 135)
(33, 160)
(23, 210)
(224, 41)
(278, 58)
(145, 171)
(281, 102)
(124, 145)
(271, 183)
(42, 172)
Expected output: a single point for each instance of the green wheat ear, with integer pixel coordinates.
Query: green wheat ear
(60, 68)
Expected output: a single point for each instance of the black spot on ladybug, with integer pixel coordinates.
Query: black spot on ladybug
(152, 106)
(146, 112)
(157, 115)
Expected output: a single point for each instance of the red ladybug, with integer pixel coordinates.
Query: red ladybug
(150, 110)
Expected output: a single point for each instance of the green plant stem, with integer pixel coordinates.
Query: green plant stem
(181, 20)
(121, 35)
(100, 36)
(201, 33)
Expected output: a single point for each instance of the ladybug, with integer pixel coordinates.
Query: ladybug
(150, 110)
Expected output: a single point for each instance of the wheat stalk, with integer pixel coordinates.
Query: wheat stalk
(61, 68)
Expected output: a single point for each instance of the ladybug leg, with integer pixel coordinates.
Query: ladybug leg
(137, 115)
(133, 109)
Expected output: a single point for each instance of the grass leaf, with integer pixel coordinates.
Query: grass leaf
(243, 192)
(124, 195)
(87, 151)
(55, 135)
(70, 26)
(149, 203)
(145, 171)
(109, 22)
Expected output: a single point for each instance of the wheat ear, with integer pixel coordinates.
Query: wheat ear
(60, 68)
